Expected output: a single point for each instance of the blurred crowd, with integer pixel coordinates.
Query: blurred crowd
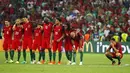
(100, 19)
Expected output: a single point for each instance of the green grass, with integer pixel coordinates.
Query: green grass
(93, 63)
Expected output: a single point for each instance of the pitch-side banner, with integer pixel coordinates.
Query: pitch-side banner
(100, 47)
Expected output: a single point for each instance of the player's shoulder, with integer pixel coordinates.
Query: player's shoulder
(30, 23)
(50, 23)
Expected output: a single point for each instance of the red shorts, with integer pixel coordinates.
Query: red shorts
(7, 44)
(68, 46)
(114, 55)
(16, 44)
(27, 43)
(78, 45)
(57, 46)
(46, 43)
(36, 45)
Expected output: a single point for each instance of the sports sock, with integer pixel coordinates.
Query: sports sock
(109, 57)
(24, 55)
(118, 57)
(31, 55)
(50, 54)
(81, 56)
(43, 54)
(67, 55)
(74, 56)
(12, 51)
(19, 54)
(54, 56)
(34, 56)
(40, 55)
(6, 55)
(70, 57)
(60, 55)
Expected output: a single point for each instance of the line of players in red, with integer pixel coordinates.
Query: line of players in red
(49, 36)
(21, 36)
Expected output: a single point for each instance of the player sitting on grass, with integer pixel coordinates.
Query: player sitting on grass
(117, 51)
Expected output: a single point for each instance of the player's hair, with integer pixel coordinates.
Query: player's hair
(18, 19)
(112, 39)
(59, 19)
(7, 20)
(68, 26)
(46, 21)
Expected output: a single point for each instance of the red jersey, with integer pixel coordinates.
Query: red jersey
(37, 34)
(7, 32)
(47, 28)
(78, 37)
(118, 47)
(17, 32)
(58, 32)
(67, 36)
(27, 29)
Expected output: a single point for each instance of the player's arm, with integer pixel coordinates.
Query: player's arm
(72, 41)
(33, 33)
(42, 30)
(12, 31)
(14, 27)
(51, 36)
(108, 49)
(73, 44)
(41, 27)
(62, 35)
(81, 39)
(115, 49)
(21, 38)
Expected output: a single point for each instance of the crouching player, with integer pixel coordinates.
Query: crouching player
(117, 51)
(7, 32)
(68, 44)
(77, 42)
(17, 38)
(37, 43)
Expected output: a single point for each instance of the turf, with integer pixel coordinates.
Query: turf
(93, 63)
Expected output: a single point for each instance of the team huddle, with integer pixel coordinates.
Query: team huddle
(52, 37)
(22, 36)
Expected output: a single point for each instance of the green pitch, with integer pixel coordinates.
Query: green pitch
(93, 63)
